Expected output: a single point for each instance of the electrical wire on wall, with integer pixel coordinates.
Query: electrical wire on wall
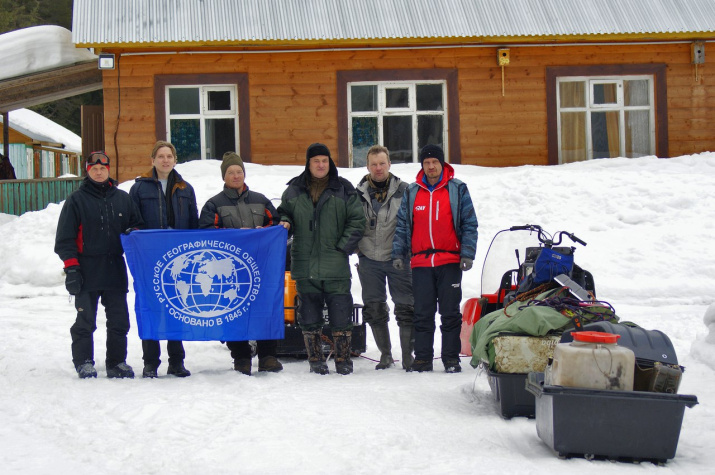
(119, 109)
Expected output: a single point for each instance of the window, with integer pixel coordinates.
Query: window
(600, 111)
(203, 115)
(402, 116)
(601, 117)
(202, 121)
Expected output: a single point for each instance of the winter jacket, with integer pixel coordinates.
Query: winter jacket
(91, 221)
(231, 209)
(436, 243)
(152, 203)
(324, 234)
(376, 242)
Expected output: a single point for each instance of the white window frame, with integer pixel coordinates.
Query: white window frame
(619, 107)
(204, 112)
(383, 111)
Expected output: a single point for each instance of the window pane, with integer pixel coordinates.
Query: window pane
(184, 100)
(429, 130)
(635, 93)
(572, 94)
(397, 98)
(573, 137)
(185, 134)
(605, 134)
(637, 133)
(397, 135)
(220, 137)
(429, 97)
(219, 100)
(364, 137)
(363, 98)
(605, 93)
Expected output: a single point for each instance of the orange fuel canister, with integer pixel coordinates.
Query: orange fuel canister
(290, 299)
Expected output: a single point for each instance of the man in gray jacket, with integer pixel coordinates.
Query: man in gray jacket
(381, 194)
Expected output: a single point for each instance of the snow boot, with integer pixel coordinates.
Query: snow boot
(149, 371)
(86, 370)
(421, 366)
(343, 362)
(314, 348)
(122, 370)
(270, 364)
(178, 370)
(407, 342)
(242, 365)
(452, 366)
(382, 339)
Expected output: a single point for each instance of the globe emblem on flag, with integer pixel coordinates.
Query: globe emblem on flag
(206, 283)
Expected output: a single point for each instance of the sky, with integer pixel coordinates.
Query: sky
(648, 224)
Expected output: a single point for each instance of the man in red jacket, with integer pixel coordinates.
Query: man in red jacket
(437, 226)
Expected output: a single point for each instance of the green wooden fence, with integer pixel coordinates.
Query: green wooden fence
(20, 196)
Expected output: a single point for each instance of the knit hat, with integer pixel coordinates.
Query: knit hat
(315, 150)
(432, 151)
(231, 158)
(97, 158)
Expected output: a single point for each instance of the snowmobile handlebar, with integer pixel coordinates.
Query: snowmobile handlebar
(545, 238)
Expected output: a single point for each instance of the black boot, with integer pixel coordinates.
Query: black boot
(382, 339)
(343, 362)
(407, 342)
(314, 347)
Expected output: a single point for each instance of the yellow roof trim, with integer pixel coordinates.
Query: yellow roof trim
(431, 41)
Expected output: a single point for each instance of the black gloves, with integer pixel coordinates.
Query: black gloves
(398, 264)
(73, 280)
(465, 263)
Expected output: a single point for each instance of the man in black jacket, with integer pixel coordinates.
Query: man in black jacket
(87, 241)
(238, 207)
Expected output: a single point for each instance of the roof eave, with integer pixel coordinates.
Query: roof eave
(426, 41)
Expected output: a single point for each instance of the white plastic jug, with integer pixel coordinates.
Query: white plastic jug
(593, 360)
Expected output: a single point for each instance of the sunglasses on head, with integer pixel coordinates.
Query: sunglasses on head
(98, 158)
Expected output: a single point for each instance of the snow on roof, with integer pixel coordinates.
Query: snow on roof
(39, 48)
(42, 129)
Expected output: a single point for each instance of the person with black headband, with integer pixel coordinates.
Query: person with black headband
(88, 242)
(165, 201)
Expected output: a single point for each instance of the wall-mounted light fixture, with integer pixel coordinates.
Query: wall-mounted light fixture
(106, 61)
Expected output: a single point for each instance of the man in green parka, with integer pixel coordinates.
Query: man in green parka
(324, 214)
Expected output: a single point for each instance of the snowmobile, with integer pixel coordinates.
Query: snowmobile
(507, 244)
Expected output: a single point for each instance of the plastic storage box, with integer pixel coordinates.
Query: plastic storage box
(293, 344)
(511, 395)
(621, 425)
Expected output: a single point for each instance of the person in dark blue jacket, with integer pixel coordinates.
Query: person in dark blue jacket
(165, 201)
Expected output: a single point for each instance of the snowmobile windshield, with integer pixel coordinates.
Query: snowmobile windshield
(502, 256)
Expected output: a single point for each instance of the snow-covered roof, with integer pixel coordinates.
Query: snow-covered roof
(189, 22)
(39, 48)
(42, 129)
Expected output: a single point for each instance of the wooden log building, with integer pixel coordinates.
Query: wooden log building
(495, 82)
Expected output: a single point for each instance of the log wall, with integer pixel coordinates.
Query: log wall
(293, 97)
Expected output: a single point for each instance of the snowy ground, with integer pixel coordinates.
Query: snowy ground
(648, 223)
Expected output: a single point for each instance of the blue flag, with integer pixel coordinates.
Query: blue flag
(212, 284)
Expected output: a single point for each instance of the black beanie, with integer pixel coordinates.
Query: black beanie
(315, 150)
(432, 151)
